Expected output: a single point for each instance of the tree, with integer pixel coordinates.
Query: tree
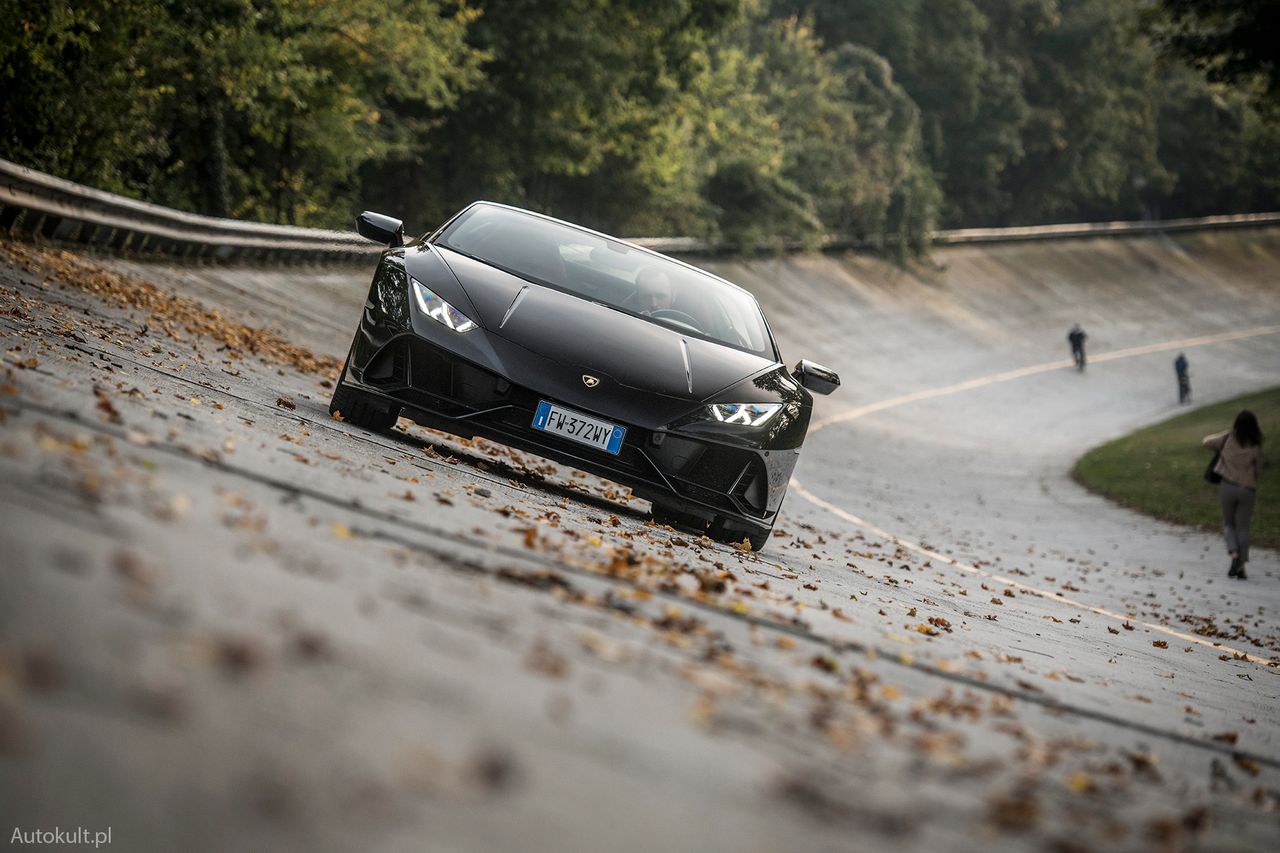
(247, 108)
(736, 119)
(282, 102)
(572, 112)
(1090, 141)
(1203, 136)
(75, 96)
(1232, 41)
(969, 97)
(850, 134)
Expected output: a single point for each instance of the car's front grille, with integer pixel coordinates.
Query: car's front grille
(437, 382)
(724, 477)
(713, 466)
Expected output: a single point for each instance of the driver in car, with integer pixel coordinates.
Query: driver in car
(654, 292)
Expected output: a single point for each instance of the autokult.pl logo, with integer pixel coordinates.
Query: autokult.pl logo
(58, 835)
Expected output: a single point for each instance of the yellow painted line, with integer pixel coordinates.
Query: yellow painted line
(1046, 367)
(1006, 376)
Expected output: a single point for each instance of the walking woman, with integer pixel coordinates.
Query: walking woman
(1239, 464)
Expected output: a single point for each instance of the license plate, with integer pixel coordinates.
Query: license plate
(578, 427)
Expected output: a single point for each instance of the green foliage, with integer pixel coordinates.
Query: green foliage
(850, 134)
(1055, 110)
(249, 108)
(1208, 130)
(752, 121)
(743, 129)
(1159, 470)
(285, 100)
(1232, 41)
(1090, 142)
(585, 111)
(76, 98)
(971, 104)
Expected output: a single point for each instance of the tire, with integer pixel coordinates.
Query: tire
(724, 530)
(363, 410)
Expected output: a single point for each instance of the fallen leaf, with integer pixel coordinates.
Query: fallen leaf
(1081, 783)
(1014, 813)
(825, 663)
(310, 645)
(544, 660)
(495, 770)
(1247, 764)
(109, 412)
(237, 656)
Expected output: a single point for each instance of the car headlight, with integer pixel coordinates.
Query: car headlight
(746, 414)
(439, 310)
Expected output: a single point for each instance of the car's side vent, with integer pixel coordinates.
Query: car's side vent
(389, 368)
(442, 375)
(750, 488)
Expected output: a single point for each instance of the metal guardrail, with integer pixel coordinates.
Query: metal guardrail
(36, 203)
(40, 204)
(1082, 230)
(974, 236)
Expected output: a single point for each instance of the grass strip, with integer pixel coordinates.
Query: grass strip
(1159, 470)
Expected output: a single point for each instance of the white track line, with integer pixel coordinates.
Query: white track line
(1006, 376)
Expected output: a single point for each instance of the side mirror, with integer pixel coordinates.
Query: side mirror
(815, 377)
(380, 229)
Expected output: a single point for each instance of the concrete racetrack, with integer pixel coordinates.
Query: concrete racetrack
(228, 621)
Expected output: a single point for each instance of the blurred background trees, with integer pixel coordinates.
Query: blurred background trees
(744, 120)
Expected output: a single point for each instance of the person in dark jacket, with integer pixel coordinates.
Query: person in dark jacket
(1076, 336)
(1180, 367)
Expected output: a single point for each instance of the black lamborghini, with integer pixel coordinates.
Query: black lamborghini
(587, 350)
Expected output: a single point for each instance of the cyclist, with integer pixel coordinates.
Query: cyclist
(1076, 336)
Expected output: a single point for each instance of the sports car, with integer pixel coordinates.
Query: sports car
(589, 351)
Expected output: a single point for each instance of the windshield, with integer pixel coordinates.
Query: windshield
(610, 272)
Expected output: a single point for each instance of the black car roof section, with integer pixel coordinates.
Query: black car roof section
(617, 244)
(615, 273)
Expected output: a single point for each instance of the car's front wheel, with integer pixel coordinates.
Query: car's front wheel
(364, 410)
(725, 530)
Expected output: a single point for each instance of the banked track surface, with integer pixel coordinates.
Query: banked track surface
(991, 306)
(920, 467)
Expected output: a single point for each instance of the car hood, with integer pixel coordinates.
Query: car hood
(597, 340)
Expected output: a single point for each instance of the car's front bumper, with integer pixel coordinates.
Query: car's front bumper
(694, 474)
